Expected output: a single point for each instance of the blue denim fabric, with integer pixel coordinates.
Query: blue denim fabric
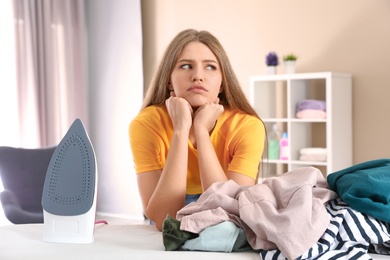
(191, 198)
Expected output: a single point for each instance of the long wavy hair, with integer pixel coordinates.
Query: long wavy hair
(231, 97)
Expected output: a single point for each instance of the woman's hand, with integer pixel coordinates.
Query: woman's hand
(207, 115)
(180, 112)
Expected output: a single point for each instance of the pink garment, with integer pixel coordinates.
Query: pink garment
(311, 114)
(285, 212)
(217, 204)
(288, 210)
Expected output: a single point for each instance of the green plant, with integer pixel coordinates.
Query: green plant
(290, 57)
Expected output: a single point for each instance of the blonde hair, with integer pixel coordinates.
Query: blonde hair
(231, 96)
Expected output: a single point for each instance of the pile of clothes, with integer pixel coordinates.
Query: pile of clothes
(311, 109)
(297, 215)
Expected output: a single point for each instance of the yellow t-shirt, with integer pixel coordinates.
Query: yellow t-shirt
(238, 140)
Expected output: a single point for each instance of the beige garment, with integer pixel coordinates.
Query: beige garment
(317, 154)
(285, 212)
(288, 211)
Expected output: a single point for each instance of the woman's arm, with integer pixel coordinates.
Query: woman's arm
(163, 191)
(209, 165)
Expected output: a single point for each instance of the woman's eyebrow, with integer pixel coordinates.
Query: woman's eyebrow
(214, 61)
(191, 60)
(185, 60)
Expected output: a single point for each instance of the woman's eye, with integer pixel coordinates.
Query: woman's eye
(185, 66)
(211, 67)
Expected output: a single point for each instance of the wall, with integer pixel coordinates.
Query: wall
(342, 36)
(116, 92)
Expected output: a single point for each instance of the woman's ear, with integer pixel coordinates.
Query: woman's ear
(171, 90)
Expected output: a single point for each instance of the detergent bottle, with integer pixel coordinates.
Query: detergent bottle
(284, 151)
(273, 143)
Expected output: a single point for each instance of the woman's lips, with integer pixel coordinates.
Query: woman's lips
(197, 88)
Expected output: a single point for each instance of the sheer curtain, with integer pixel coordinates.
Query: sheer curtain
(8, 97)
(52, 73)
(51, 69)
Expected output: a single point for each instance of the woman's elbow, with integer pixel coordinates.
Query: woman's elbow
(159, 225)
(156, 220)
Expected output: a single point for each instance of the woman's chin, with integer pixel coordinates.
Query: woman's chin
(196, 103)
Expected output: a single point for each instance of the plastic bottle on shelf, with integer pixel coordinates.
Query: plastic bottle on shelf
(273, 143)
(284, 147)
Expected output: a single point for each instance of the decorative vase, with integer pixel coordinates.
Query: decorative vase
(289, 66)
(270, 70)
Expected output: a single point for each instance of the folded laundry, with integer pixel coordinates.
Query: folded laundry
(311, 104)
(311, 113)
(316, 154)
(313, 157)
(313, 150)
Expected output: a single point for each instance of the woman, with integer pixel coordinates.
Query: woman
(195, 127)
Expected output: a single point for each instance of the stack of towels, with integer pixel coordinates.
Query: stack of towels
(315, 154)
(311, 108)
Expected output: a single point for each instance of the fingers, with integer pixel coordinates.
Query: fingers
(207, 115)
(180, 112)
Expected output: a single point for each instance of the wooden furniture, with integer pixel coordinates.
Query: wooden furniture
(275, 97)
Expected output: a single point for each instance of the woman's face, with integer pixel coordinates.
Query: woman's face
(196, 76)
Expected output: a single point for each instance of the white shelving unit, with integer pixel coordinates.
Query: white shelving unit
(274, 97)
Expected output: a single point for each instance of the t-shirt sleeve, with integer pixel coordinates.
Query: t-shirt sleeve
(248, 148)
(145, 147)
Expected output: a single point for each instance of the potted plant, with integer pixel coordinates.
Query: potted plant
(289, 63)
(271, 60)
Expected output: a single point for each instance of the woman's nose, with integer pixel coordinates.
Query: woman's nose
(197, 74)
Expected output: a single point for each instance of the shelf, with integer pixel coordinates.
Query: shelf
(297, 162)
(275, 99)
(297, 76)
(294, 120)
